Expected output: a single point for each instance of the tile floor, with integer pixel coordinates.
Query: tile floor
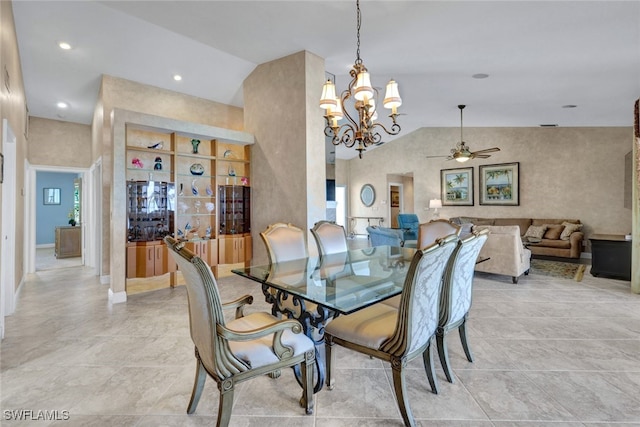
(549, 353)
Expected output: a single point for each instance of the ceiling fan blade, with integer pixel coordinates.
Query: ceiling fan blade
(480, 156)
(487, 150)
(435, 157)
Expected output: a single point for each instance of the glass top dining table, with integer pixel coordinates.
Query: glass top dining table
(342, 283)
(314, 290)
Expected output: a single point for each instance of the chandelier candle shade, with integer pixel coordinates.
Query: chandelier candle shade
(360, 131)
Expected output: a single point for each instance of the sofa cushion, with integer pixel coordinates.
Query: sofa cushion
(553, 231)
(559, 244)
(536, 231)
(480, 221)
(523, 223)
(568, 229)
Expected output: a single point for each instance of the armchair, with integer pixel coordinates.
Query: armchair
(381, 236)
(505, 251)
(410, 223)
(397, 335)
(239, 350)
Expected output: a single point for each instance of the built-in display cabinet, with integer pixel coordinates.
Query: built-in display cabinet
(194, 189)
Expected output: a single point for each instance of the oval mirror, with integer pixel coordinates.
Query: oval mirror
(367, 195)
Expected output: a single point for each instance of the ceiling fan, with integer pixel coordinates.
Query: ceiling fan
(461, 152)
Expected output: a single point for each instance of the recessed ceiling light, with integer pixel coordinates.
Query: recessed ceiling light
(177, 77)
(64, 45)
(569, 106)
(62, 104)
(480, 76)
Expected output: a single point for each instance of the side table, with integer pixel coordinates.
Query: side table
(610, 256)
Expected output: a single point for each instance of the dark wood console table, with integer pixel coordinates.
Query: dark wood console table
(610, 256)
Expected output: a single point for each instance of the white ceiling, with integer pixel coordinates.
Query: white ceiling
(540, 55)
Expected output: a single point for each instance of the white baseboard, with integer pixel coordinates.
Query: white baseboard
(46, 245)
(117, 297)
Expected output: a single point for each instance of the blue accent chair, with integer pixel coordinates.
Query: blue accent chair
(381, 236)
(409, 223)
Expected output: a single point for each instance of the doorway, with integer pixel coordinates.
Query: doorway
(8, 261)
(396, 202)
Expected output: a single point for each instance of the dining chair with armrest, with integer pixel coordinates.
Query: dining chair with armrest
(397, 335)
(241, 349)
(430, 231)
(455, 298)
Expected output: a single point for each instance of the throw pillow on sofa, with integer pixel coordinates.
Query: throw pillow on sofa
(568, 229)
(535, 231)
(554, 231)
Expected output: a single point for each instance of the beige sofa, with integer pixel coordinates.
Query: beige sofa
(503, 252)
(552, 241)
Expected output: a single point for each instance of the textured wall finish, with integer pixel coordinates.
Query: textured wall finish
(58, 143)
(288, 169)
(564, 172)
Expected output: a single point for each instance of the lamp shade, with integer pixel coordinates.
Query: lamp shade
(435, 204)
(328, 98)
(392, 98)
(363, 90)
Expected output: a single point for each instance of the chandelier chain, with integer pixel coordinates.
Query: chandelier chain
(359, 17)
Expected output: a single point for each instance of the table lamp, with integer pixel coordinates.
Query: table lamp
(435, 204)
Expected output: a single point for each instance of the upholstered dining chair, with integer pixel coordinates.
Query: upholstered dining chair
(455, 298)
(397, 335)
(241, 349)
(432, 230)
(330, 237)
(284, 242)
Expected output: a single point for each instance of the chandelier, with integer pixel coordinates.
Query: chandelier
(361, 130)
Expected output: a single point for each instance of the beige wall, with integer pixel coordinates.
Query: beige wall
(13, 108)
(58, 143)
(564, 172)
(288, 169)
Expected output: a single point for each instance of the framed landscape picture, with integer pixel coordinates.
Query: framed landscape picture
(456, 187)
(500, 184)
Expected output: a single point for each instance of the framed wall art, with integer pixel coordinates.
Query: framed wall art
(395, 199)
(51, 196)
(456, 187)
(500, 184)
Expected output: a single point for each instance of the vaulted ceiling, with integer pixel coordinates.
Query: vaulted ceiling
(540, 56)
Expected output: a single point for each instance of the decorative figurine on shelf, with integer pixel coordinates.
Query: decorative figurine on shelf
(181, 193)
(244, 180)
(136, 162)
(207, 232)
(232, 171)
(194, 188)
(158, 164)
(194, 144)
(209, 190)
(210, 206)
(156, 146)
(196, 169)
(197, 205)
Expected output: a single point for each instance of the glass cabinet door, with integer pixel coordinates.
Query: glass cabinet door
(235, 213)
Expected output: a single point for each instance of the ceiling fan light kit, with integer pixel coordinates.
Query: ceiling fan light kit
(461, 152)
(361, 131)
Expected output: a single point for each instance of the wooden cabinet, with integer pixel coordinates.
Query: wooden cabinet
(205, 249)
(148, 259)
(610, 256)
(234, 249)
(190, 187)
(68, 242)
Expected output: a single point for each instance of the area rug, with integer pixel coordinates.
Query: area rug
(565, 270)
